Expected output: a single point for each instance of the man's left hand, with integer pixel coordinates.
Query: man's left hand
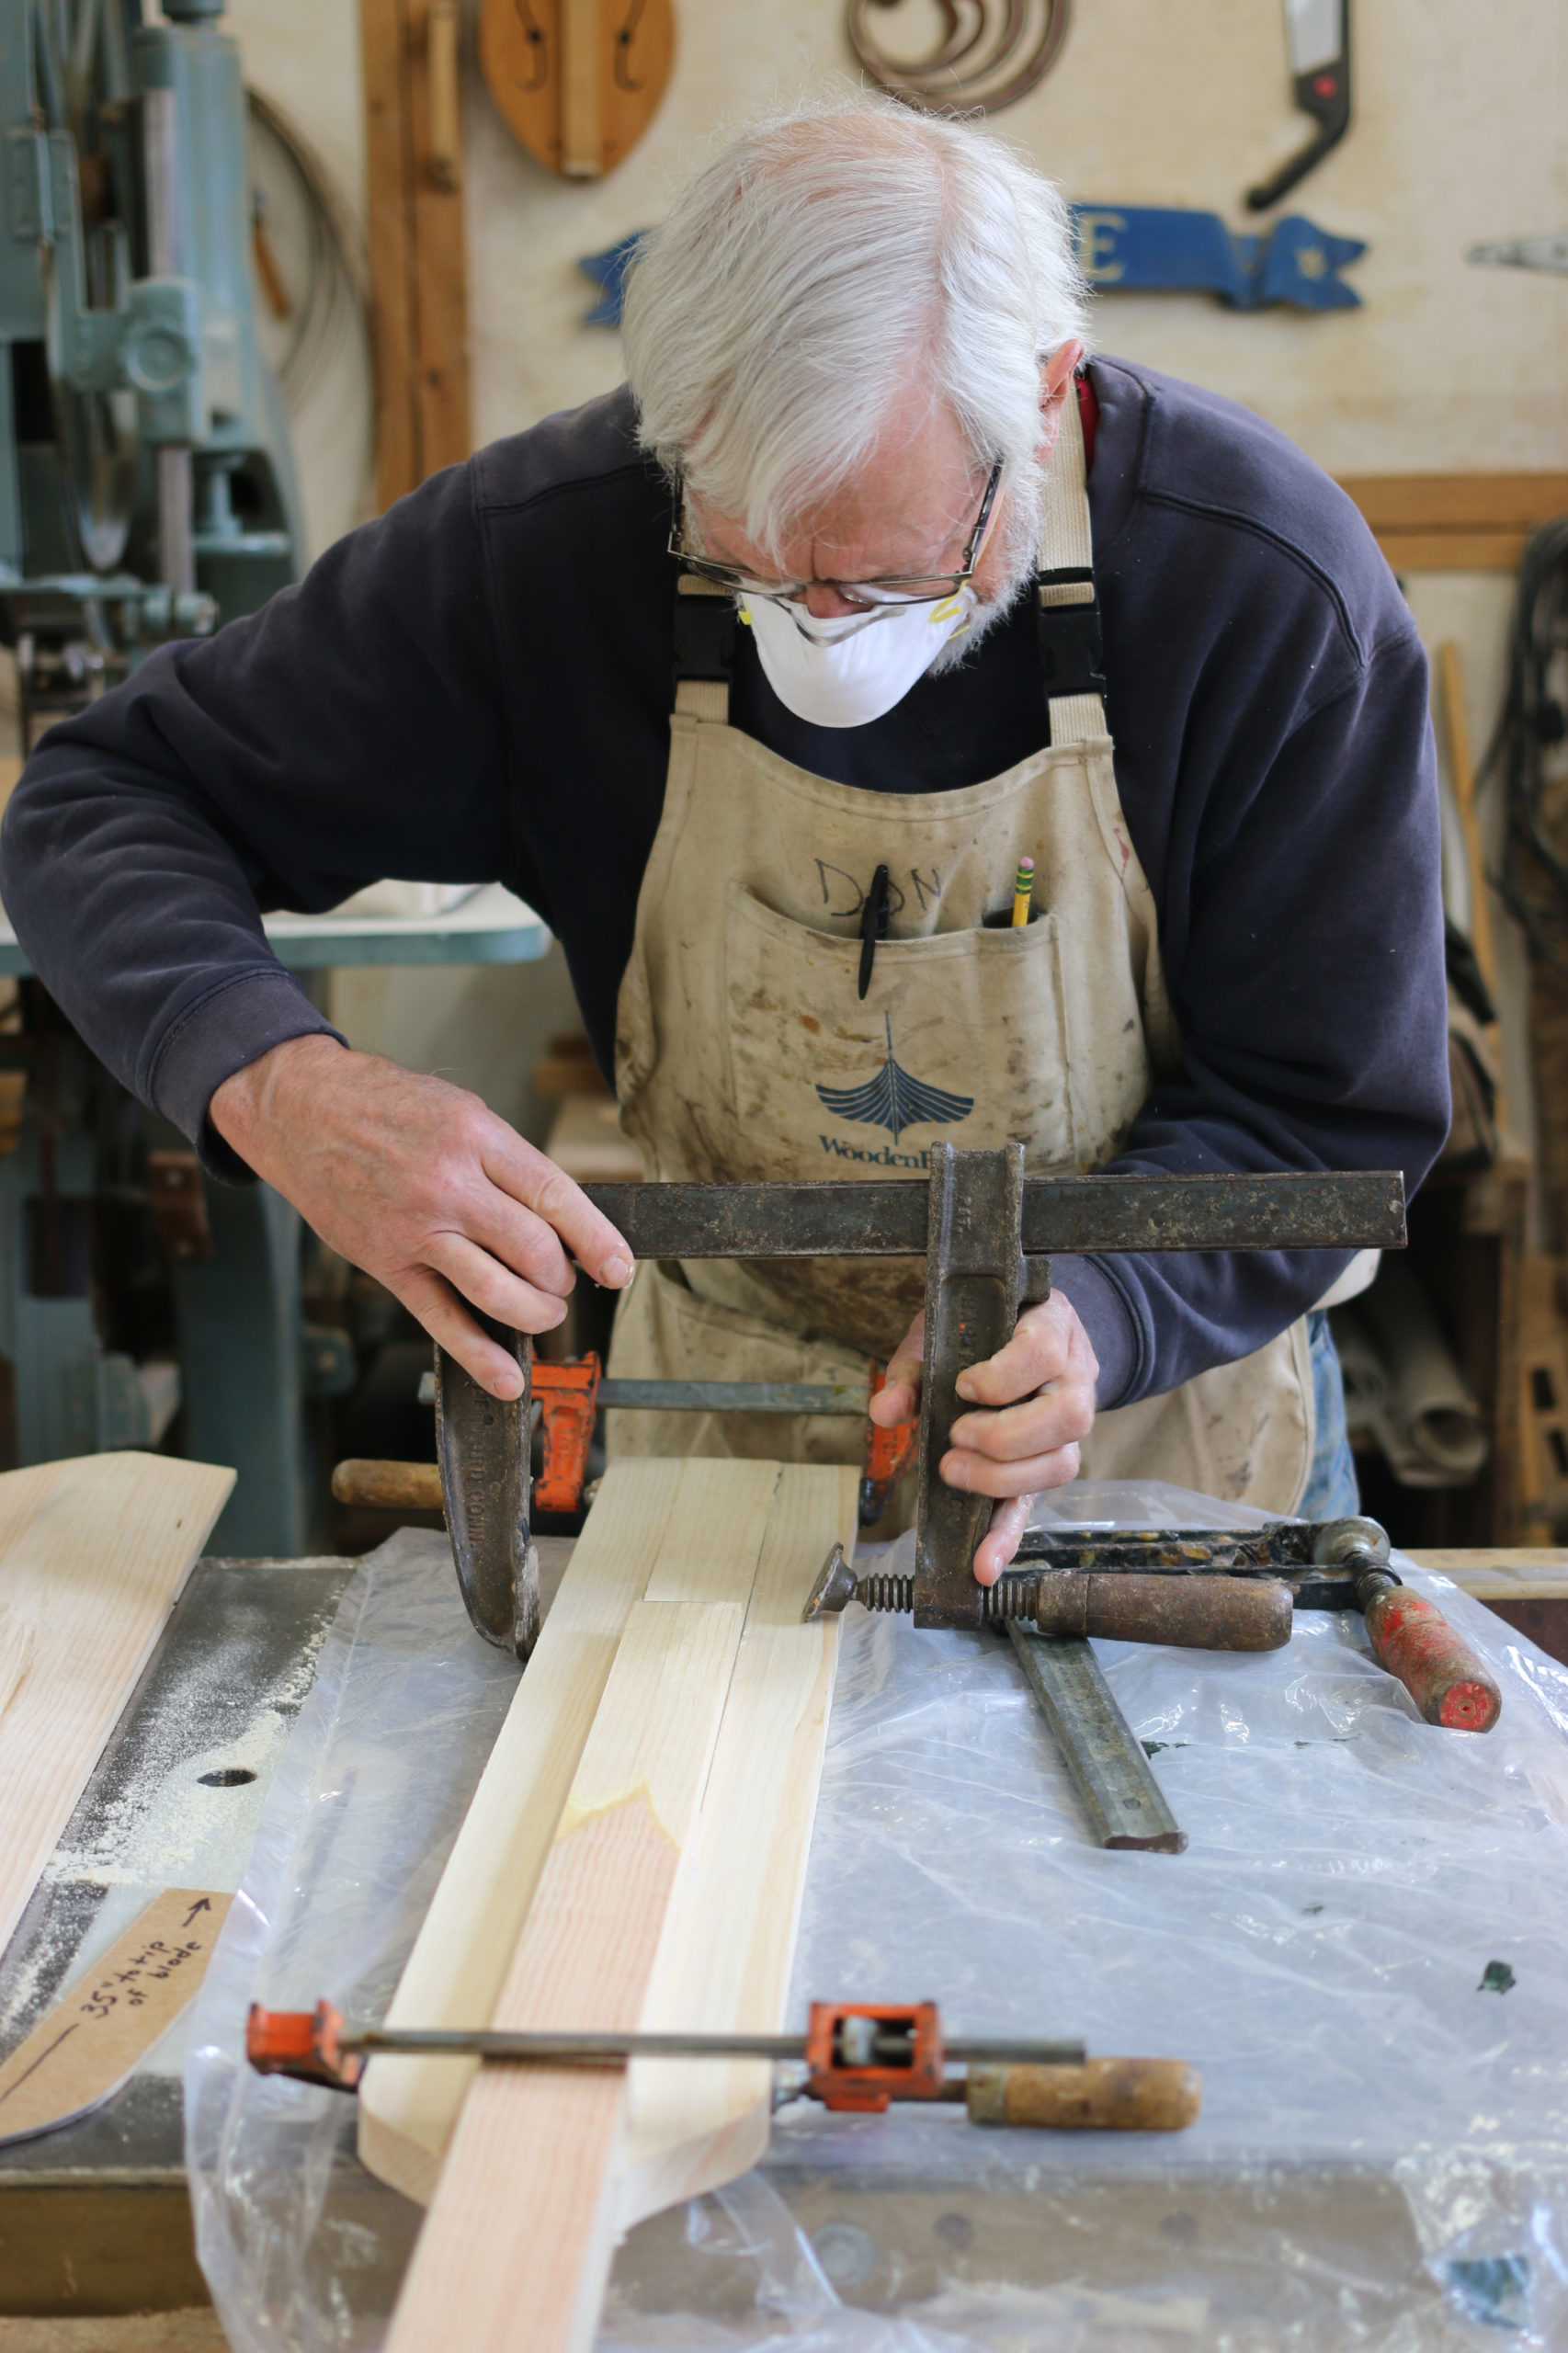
(1038, 1399)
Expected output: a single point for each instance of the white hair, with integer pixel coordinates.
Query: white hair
(835, 267)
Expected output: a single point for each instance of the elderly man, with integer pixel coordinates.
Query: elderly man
(759, 678)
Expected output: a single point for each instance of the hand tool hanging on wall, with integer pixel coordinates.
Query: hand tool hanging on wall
(1548, 253)
(1317, 35)
(577, 81)
(983, 1228)
(854, 2057)
(991, 53)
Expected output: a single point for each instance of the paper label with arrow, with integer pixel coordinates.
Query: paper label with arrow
(84, 2047)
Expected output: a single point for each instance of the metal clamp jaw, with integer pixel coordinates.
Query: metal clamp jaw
(985, 1231)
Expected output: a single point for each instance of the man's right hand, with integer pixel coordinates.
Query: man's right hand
(416, 1182)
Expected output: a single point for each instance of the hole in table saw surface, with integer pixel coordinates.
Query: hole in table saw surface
(230, 1776)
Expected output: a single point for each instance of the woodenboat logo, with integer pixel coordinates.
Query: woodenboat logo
(895, 1100)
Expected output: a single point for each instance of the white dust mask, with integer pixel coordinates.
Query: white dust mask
(845, 672)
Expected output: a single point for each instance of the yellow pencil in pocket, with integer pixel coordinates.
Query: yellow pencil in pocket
(1023, 891)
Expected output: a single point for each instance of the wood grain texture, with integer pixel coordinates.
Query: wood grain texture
(577, 82)
(419, 272)
(679, 1531)
(94, 1554)
(537, 2146)
(725, 1958)
(1456, 522)
(454, 1976)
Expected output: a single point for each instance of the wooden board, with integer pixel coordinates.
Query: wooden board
(454, 1976)
(724, 1963)
(671, 1884)
(94, 1553)
(1457, 522)
(88, 2041)
(415, 226)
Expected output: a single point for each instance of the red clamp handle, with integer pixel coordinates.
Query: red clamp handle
(1414, 1641)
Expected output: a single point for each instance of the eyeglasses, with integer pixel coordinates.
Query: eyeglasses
(911, 588)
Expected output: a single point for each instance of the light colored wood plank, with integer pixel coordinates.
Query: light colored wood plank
(454, 1976)
(94, 1554)
(1520, 1590)
(1502, 1573)
(1465, 1561)
(724, 1961)
(87, 2042)
(677, 1531)
(517, 2246)
(1452, 551)
(1458, 502)
(1462, 771)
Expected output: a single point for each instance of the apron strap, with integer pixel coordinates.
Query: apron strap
(705, 650)
(1069, 610)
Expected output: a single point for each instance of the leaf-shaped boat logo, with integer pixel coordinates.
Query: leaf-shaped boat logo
(895, 1100)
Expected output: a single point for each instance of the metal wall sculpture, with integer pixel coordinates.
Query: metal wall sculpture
(991, 53)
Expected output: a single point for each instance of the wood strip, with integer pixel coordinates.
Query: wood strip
(390, 240)
(1465, 1562)
(682, 1532)
(1458, 502)
(94, 1554)
(1452, 551)
(1462, 772)
(88, 2041)
(583, 58)
(725, 1958)
(440, 371)
(418, 269)
(454, 1976)
(536, 2146)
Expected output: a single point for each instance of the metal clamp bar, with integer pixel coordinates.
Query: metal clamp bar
(1283, 1210)
(1103, 1756)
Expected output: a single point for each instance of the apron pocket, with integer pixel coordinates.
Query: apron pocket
(961, 1037)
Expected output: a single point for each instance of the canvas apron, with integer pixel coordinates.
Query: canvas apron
(743, 1051)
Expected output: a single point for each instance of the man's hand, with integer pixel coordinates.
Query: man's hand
(413, 1180)
(1040, 1390)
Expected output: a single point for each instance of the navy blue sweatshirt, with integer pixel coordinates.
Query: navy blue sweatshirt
(477, 686)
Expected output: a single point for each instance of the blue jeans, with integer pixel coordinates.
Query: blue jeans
(1330, 1490)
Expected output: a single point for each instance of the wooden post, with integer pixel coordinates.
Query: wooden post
(416, 220)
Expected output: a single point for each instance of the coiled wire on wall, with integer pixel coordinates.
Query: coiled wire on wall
(1533, 879)
(334, 302)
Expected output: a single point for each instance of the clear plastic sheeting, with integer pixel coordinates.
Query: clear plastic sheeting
(1362, 1949)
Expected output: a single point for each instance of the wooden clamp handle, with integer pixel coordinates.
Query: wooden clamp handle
(388, 1487)
(1199, 1613)
(1102, 2095)
(1413, 1640)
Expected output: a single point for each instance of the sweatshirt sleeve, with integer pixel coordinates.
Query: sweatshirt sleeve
(351, 730)
(1312, 1005)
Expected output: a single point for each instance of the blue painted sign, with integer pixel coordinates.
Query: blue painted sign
(1141, 248)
